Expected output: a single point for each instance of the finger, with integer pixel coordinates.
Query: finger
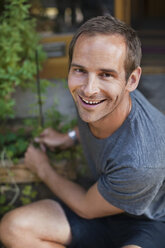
(28, 148)
(45, 132)
(25, 159)
(38, 140)
(31, 147)
(42, 147)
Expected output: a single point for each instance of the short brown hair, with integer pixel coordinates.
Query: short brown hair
(110, 25)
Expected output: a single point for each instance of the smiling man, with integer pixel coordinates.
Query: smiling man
(97, 82)
(123, 138)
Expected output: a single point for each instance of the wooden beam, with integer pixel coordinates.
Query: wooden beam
(56, 67)
(20, 174)
(123, 10)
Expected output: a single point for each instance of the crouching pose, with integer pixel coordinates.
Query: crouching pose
(123, 138)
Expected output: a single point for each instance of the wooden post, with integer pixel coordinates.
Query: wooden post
(123, 10)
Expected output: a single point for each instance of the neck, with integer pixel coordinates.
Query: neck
(109, 124)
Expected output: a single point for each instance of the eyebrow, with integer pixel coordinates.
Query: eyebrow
(108, 70)
(101, 69)
(77, 65)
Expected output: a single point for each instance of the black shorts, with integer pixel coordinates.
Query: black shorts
(115, 231)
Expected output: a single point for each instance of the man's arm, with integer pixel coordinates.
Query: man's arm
(51, 138)
(88, 204)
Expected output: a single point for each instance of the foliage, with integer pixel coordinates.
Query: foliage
(18, 45)
(11, 193)
(28, 194)
(25, 196)
(4, 207)
(14, 144)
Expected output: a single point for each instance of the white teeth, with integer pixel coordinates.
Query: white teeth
(90, 102)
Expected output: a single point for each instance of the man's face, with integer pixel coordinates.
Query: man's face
(97, 77)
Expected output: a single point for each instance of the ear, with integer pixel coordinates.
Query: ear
(134, 78)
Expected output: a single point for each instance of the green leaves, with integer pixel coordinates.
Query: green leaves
(28, 194)
(18, 43)
(2, 199)
(25, 196)
(15, 144)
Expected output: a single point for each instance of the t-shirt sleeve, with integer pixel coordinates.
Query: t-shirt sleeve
(130, 189)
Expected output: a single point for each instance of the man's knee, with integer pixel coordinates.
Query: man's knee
(131, 246)
(23, 217)
(36, 219)
(16, 222)
(10, 227)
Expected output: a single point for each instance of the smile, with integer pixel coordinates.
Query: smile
(91, 102)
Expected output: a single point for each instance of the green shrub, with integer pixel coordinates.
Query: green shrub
(18, 45)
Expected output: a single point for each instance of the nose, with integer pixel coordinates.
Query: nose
(91, 86)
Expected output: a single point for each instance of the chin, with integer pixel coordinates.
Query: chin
(85, 117)
(89, 118)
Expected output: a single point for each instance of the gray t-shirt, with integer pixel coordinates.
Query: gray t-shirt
(129, 166)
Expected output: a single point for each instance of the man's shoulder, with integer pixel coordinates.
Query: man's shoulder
(145, 106)
(141, 139)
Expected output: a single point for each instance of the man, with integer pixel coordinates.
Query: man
(123, 139)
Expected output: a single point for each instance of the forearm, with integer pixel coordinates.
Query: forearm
(72, 138)
(72, 194)
(70, 141)
(88, 204)
(77, 133)
(51, 138)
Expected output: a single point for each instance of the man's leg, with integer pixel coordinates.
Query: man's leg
(42, 224)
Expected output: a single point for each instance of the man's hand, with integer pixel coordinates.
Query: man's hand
(72, 194)
(37, 161)
(51, 138)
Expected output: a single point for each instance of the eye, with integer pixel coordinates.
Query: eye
(105, 75)
(79, 70)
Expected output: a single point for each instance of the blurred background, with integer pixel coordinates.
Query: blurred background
(146, 16)
(56, 22)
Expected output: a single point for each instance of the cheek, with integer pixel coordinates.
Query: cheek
(114, 91)
(72, 86)
(71, 82)
(74, 82)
